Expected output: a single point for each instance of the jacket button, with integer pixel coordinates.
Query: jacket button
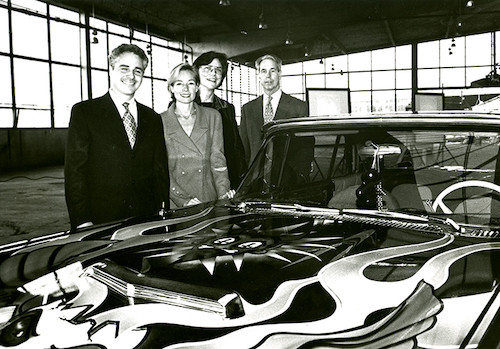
(199, 170)
(183, 172)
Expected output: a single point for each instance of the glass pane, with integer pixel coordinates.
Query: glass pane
(144, 45)
(360, 102)
(474, 74)
(29, 118)
(161, 95)
(115, 41)
(428, 54)
(315, 81)
(34, 5)
(99, 83)
(291, 69)
(384, 80)
(141, 36)
(403, 100)
(98, 50)
(58, 12)
(337, 63)
(338, 80)
(452, 77)
(403, 57)
(144, 93)
(292, 84)
(118, 29)
(32, 42)
(245, 83)
(6, 118)
(403, 79)
(65, 41)
(478, 49)
(66, 84)
(4, 31)
(360, 61)
(359, 81)
(314, 66)
(32, 84)
(428, 78)
(384, 59)
(453, 52)
(383, 101)
(161, 62)
(97, 23)
(5, 87)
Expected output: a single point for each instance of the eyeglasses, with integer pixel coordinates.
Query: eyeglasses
(206, 69)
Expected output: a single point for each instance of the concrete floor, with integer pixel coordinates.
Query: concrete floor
(32, 204)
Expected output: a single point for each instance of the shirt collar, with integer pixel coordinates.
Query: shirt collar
(118, 100)
(276, 96)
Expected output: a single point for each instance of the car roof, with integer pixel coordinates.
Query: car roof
(425, 119)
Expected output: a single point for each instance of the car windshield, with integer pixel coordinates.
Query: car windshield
(427, 171)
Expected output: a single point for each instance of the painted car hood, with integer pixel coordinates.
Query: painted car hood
(218, 277)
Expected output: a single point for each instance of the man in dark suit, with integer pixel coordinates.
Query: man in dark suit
(273, 104)
(116, 161)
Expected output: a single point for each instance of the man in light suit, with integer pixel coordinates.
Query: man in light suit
(259, 111)
(116, 159)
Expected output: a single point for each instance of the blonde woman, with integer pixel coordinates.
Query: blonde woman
(195, 146)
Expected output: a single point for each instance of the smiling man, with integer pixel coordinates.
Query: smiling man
(116, 160)
(273, 104)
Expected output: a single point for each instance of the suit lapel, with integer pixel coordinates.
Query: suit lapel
(175, 131)
(115, 121)
(200, 128)
(282, 111)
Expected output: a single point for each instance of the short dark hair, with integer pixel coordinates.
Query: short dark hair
(207, 57)
(128, 48)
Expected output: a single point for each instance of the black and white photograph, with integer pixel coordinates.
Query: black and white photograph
(250, 174)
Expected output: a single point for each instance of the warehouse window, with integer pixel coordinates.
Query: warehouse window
(49, 64)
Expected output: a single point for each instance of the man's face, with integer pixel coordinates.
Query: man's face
(269, 76)
(126, 75)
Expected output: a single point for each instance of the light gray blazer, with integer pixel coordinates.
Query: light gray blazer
(197, 164)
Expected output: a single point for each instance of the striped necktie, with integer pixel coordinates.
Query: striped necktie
(268, 112)
(130, 125)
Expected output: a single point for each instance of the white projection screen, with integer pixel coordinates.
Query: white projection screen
(328, 101)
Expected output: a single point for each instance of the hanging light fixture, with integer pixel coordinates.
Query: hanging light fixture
(225, 3)
(288, 41)
(469, 4)
(306, 52)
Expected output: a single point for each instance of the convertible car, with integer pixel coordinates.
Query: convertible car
(376, 231)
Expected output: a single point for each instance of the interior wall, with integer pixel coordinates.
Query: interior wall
(29, 148)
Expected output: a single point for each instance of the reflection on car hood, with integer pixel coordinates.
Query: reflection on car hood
(220, 276)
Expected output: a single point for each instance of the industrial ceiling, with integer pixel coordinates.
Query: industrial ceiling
(321, 28)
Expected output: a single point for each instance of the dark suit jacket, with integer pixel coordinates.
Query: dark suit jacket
(105, 180)
(252, 120)
(233, 147)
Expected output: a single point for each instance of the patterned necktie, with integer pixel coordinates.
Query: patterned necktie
(130, 126)
(268, 112)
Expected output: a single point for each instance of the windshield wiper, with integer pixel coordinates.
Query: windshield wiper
(384, 218)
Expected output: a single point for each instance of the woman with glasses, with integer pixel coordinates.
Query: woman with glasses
(212, 68)
(193, 135)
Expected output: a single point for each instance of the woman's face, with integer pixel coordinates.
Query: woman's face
(185, 87)
(211, 74)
